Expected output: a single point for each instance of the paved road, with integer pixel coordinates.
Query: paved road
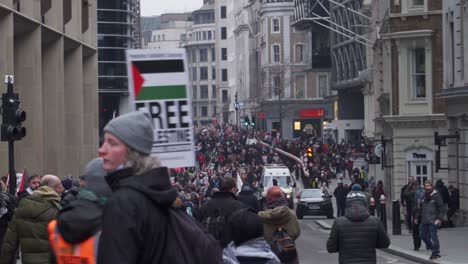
(312, 246)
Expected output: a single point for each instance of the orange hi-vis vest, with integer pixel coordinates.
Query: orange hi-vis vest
(65, 253)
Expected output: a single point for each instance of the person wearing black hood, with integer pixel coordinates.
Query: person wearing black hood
(139, 220)
(357, 234)
(444, 193)
(79, 223)
(247, 196)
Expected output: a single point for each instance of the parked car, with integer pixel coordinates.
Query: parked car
(314, 202)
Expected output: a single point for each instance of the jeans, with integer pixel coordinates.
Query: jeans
(409, 215)
(428, 233)
(339, 210)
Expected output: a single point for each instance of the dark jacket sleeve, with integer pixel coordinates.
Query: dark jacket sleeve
(440, 205)
(383, 241)
(120, 237)
(332, 242)
(10, 244)
(402, 195)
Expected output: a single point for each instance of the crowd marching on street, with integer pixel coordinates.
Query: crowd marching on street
(125, 204)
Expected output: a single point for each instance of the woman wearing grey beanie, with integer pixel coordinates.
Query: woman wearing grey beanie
(134, 221)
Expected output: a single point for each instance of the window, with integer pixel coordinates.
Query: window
(194, 92)
(322, 85)
(275, 25)
(223, 11)
(159, 37)
(213, 54)
(223, 54)
(275, 85)
(417, 3)
(214, 111)
(275, 53)
(204, 35)
(419, 73)
(203, 73)
(224, 75)
(194, 55)
(203, 91)
(194, 111)
(213, 73)
(203, 55)
(299, 53)
(204, 111)
(213, 91)
(194, 73)
(224, 96)
(209, 35)
(223, 33)
(164, 37)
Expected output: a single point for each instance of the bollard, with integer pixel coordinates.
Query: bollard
(383, 212)
(396, 221)
(372, 206)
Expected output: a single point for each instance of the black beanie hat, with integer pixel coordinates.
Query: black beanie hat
(245, 225)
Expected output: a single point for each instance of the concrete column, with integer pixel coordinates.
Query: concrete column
(90, 107)
(73, 98)
(28, 83)
(53, 100)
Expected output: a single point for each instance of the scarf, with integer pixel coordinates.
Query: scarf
(256, 247)
(277, 203)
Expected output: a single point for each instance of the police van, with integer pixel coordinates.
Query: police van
(281, 175)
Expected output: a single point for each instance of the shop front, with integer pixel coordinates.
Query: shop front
(420, 162)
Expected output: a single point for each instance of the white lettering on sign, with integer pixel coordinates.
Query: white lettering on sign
(166, 114)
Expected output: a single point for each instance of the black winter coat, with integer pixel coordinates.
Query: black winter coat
(249, 199)
(135, 218)
(356, 236)
(226, 203)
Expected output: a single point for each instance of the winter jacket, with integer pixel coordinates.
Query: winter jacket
(134, 226)
(254, 251)
(279, 216)
(356, 236)
(431, 208)
(340, 195)
(223, 203)
(28, 228)
(249, 199)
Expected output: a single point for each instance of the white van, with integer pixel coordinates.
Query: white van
(282, 176)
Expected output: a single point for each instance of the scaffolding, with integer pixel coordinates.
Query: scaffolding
(136, 29)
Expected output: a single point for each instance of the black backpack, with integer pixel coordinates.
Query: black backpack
(283, 245)
(217, 226)
(194, 244)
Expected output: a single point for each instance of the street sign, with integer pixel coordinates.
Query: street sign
(158, 84)
(378, 150)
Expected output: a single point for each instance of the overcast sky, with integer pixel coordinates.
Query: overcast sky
(158, 7)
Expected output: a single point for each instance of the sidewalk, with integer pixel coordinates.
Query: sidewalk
(453, 246)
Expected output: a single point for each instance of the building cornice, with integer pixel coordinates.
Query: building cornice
(424, 33)
(280, 7)
(454, 92)
(416, 121)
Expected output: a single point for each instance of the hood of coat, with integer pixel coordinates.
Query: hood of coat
(254, 248)
(356, 212)
(39, 203)
(276, 216)
(155, 184)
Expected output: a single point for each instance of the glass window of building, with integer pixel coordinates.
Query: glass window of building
(223, 11)
(299, 53)
(194, 111)
(213, 54)
(209, 35)
(204, 35)
(194, 55)
(275, 85)
(204, 111)
(203, 73)
(163, 37)
(419, 73)
(275, 25)
(417, 3)
(224, 75)
(322, 85)
(224, 96)
(203, 91)
(214, 111)
(194, 73)
(203, 55)
(213, 91)
(223, 33)
(276, 53)
(194, 92)
(223, 54)
(213, 73)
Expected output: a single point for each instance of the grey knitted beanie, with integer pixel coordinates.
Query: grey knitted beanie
(135, 129)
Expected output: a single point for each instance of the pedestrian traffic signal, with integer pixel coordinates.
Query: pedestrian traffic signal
(253, 121)
(246, 120)
(12, 116)
(310, 152)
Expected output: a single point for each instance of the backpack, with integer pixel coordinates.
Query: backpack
(217, 226)
(283, 245)
(193, 242)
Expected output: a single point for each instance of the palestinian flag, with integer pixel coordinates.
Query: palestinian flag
(159, 80)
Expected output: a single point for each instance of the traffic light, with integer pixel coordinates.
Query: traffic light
(253, 121)
(310, 152)
(246, 120)
(12, 116)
